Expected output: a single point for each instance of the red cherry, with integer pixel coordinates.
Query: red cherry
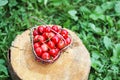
(47, 29)
(36, 38)
(51, 44)
(45, 56)
(57, 49)
(68, 40)
(50, 35)
(64, 33)
(38, 51)
(55, 39)
(53, 52)
(35, 32)
(45, 35)
(41, 29)
(41, 39)
(61, 44)
(36, 45)
(55, 28)
(44, 47)
(59, 30)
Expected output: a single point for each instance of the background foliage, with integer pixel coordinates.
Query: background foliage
(96, 22)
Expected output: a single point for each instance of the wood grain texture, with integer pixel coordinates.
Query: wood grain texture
(73, 64)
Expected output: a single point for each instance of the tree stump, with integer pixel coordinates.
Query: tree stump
(73, 64)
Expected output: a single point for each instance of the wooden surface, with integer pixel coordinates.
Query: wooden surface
(73, 64)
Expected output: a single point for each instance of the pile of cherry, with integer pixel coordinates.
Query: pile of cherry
(49, 41)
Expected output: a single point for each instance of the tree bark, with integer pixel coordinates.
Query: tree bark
(73, 64)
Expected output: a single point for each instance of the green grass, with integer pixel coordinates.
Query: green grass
(96, 22)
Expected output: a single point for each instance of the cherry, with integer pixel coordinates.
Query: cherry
(68, 40)
(51, 44)
(45, 35)
(61, 44)
(57, 49)
(41, 29)
(64, 33)
(59, 30)
(55, 28)
(38, 51)
(44, 47)
(50, 35)
(45, 56)
(35, 32)
(55, 39)
(53, 52)
(36, 45)
(41, 39)
(48, 29)
(36, 38)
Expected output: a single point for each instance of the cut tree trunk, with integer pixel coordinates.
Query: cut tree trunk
(73, 64)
